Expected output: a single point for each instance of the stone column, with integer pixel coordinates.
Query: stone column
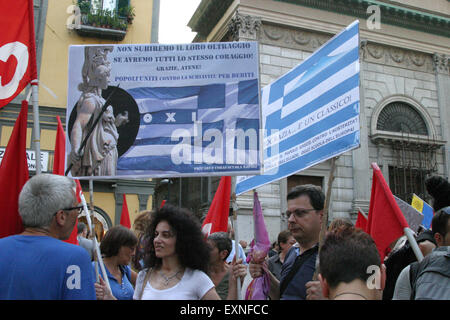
(244, 28)
(441, 68)
(143, 199)
(119, 203)
(360, 156)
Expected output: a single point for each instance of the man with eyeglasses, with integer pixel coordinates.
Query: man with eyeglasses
(305, 211)
(36, 264)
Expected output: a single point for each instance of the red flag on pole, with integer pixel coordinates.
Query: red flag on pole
(125, 216)
(162, 203)
(60, 149)
(13, 175)
(217, 218)
(361, 221)
(58, 168)
(17, 48)
(79, 191)
(386, 222)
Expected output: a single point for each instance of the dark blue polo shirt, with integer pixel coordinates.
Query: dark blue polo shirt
(296, 288)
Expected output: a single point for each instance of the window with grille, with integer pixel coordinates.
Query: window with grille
(412, 161)
(401, 117)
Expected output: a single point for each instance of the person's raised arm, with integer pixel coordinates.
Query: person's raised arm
(238, 270)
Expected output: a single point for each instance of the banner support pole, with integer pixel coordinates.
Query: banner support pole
(36, 126)
(412, 241)
(323, 229)
(236, 243)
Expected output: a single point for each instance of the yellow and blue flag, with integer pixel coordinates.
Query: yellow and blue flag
(423, 208)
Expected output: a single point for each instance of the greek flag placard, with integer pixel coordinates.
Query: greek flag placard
(310, 114)
(176, 110)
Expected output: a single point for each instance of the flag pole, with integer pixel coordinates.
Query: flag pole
(91, 229)
(412, 241)
(362, 212)
(236, 242)
(36, 127)
(323, 229)
(96, 246)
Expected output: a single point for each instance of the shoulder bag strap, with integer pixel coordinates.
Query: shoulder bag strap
(144, 283)
(297, 264)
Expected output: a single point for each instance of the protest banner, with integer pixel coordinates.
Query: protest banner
(412, 215)
(174, 110)
(310, 114)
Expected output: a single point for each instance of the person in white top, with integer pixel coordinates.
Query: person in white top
(177, 259)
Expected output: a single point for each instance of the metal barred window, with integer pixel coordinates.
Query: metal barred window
(412, 161)
(401, 117)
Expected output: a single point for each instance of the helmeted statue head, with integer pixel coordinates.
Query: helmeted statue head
(96, 68)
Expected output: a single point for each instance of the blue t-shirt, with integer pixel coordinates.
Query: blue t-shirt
(122, 291)
(44, 268)
(296, 289)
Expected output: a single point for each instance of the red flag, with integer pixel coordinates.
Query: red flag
(386, 222)
(17, 48)
(60, 149)
(361, 221)
(58, 168)
(217, 218)
(162, 203)
(125, 216)
(78, 191)
(73, 236)
(13, 175)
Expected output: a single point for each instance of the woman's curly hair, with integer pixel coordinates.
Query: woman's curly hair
(439, 189)
(191, 248)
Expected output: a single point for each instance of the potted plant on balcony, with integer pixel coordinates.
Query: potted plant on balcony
(85, 6)
(128, 13)
(85, 10)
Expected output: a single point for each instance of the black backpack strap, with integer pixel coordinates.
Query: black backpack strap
(413, 273)
(299, 261)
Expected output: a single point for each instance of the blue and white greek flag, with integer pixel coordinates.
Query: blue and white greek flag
(311, 114)
(195, 130)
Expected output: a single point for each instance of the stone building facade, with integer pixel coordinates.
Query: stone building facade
(405, 80)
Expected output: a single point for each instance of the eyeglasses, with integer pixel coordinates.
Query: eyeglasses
(298, 213)
(79, 208)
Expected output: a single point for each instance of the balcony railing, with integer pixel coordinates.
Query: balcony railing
(104, 24)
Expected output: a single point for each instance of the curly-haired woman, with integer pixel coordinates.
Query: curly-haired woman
(177, 259)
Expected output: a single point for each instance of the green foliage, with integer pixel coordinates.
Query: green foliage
(109, 19)
(85, 6)
(128, 13)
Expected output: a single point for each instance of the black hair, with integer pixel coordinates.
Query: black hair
(283, 236)
(439, 190)
(116, 237)
(315, 194)
(439, 222)
(190, 247)
(222, 241)
(346, 254)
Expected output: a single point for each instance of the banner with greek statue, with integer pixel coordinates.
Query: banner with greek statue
(158, 110)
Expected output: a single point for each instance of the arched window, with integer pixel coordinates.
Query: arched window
(402, 118)
(405, 130)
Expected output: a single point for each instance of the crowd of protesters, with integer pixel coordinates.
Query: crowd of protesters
(165, 256)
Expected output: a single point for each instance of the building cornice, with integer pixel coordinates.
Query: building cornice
(209, 13)
(390, 14)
